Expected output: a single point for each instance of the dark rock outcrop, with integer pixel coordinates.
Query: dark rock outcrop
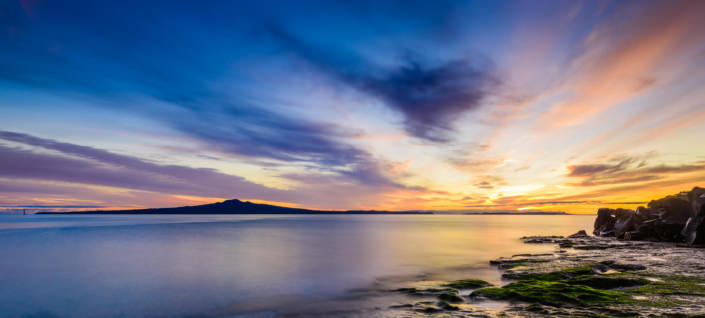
(675, 218)
(578, 234)
(604, 224)
(693, 230)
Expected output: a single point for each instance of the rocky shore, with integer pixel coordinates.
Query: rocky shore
(585, 276)
(675, 218)
(639, 263)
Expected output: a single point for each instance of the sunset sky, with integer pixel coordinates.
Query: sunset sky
(459, 105)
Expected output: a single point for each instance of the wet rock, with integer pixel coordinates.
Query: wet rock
(468, 283)
(411, 291)
(675, 218)
(554, 293)
(625, 221)
(542, 239)
(673, 209)
(579, 234)
(607, 281)
(507, 263)
(604, 223)
(429, 310)
(623, 267)
(694, 231)
(568, 273)
(446, 306)
(451, 297)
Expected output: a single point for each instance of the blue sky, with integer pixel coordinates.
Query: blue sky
(551, 105)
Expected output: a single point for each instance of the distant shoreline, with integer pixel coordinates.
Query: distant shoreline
(235, 206)
(130, 212)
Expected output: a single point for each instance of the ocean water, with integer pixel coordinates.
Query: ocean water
(245, 265)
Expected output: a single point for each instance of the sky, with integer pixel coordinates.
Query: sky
(397, 105)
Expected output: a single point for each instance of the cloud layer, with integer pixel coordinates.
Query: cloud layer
(372, 104)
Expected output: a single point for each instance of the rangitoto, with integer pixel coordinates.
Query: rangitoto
(236, 206)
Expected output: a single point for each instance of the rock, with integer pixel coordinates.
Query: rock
(451, 297)
(623, 267)
(604, 224)
(645, 213)
(673, 209)
(693, 229)
(625, 221)
(675, 218)
(445, 305)
(579, 234)
(468, 283)
(607, 282)
(429, 310)
(552, 293)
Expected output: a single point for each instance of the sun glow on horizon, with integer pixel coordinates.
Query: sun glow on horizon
(602, 107)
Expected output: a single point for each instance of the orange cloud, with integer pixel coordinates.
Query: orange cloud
(622, 60)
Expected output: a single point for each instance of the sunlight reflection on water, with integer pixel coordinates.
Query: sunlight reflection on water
(145, 266)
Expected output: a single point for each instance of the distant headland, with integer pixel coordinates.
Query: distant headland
(235, 206)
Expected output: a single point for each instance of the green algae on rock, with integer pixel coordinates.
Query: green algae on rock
(567, 273)
(552, 293)
(451, 297)
(468, 284)
(610, 281)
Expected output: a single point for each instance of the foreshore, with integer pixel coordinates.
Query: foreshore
(585, 276)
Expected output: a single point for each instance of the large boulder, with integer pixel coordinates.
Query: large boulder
(675, 218)
(673, 209)
(694, 231)
(626, 221)
(604, 223)
(646, 214)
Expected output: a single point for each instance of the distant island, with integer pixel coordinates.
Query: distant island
(234, 206)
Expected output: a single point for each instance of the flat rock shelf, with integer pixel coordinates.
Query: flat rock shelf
(585, 276)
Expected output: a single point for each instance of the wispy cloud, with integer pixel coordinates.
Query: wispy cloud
(55, 161)
(626, 169)
(430, 95)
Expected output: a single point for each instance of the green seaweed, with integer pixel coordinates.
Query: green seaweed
(451, 297)
(553, 293)
(468, 284)
(670, 285)
(607, 281)
(567, 273)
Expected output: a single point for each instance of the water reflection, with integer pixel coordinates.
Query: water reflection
(146, 266)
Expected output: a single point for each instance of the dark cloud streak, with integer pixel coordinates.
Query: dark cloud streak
(626, 169)
(429, 95)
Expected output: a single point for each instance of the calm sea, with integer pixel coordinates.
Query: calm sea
(232, 266)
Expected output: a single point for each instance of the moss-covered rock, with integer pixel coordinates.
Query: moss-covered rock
(451, 297)
(552, 293)
(468, 284)
(567, 273)
(670, 286)
(607, 281)
(447, 306)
